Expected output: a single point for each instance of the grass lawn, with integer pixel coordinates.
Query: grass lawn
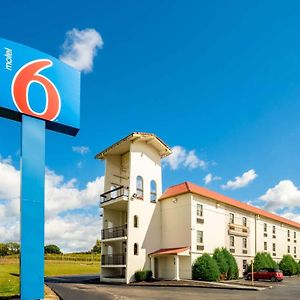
(9, 272)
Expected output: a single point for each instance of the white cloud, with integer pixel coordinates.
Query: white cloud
(240, 181)
(209, 178)
(180, 157)
(80, 47)
(67, 207)
(283, 195)
(81, 149)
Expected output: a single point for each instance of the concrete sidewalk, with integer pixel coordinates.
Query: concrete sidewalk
(200, 284)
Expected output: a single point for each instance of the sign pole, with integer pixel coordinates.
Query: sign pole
(32, 208)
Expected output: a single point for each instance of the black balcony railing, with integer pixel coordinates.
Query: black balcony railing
(114, 232)
(113, 259)
(114, 194)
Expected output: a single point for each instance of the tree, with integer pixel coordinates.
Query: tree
(13, 248)
(288, 265)
(263, 260)
(233, 270)
(205, 268)
(52, 249)
(3, 249)
(220, 259)
(97, 247)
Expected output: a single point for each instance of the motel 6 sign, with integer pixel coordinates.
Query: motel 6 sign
(38, 85)
(42, 93)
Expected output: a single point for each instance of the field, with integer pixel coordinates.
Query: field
(62, 265)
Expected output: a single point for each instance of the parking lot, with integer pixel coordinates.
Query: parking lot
(287, 289)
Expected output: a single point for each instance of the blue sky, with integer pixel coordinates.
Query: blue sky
(220, 78)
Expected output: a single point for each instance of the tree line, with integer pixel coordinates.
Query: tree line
(13, 248)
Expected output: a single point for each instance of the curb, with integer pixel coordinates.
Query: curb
(228, 287)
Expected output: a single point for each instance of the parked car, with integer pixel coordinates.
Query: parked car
(267, 274)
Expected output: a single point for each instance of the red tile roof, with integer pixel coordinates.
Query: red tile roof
(188, 187)
(170, 251)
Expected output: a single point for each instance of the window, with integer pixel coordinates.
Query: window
(274, 229)
(153, 191)
(295, 234)
(199, 210)
(140, 187)
(135, 221)
(265, 227)
(289, 249)
(231, 218)
(135, 249)
(244, 264)
(244, 221)
(265, 246)
(231, 241)
(295, 250)
(244, 243)
(274, 247)
(199, 237)
(288, 233)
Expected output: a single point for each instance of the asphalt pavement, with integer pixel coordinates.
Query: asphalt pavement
(72, 288)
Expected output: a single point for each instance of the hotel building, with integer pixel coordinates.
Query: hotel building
(147, 229)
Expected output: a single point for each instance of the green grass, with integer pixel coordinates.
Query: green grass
(9, 271)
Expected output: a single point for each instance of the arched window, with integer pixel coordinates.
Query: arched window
(153, 191)
(135, 249)
(140, 187)
(135, 221)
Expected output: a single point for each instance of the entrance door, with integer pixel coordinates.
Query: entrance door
(156, 267)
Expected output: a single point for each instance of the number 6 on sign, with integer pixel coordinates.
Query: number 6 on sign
(28, 74)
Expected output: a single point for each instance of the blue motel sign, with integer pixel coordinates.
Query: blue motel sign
(41, 92)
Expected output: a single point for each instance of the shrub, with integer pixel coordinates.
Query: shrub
(288, 265)
(205, 268)
(140, 276)
(220, 259)
(149, 275)
(233, 271)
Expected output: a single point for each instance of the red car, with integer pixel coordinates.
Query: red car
(266, 274)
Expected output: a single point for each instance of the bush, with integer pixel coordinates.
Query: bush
(220, 259)
(205, 268)
(140, 276)
(233, 271)
(288, 265)
(143, 275)
(149, 275)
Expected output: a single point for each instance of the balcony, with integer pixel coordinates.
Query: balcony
(240, 230)
(113, 260)
(115, 233)
(116, 198)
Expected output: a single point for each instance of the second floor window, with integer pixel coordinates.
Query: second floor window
(199, 210)
(135, 249)
(135, 221)
(295, 234)
(199, 237)
(289, 249)
(153, 191)
(231, 241)
(274, 247)
(295, 250)
(265, 246)
(140, 187)
(244, 221)
(244, 243)
(231, 218)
